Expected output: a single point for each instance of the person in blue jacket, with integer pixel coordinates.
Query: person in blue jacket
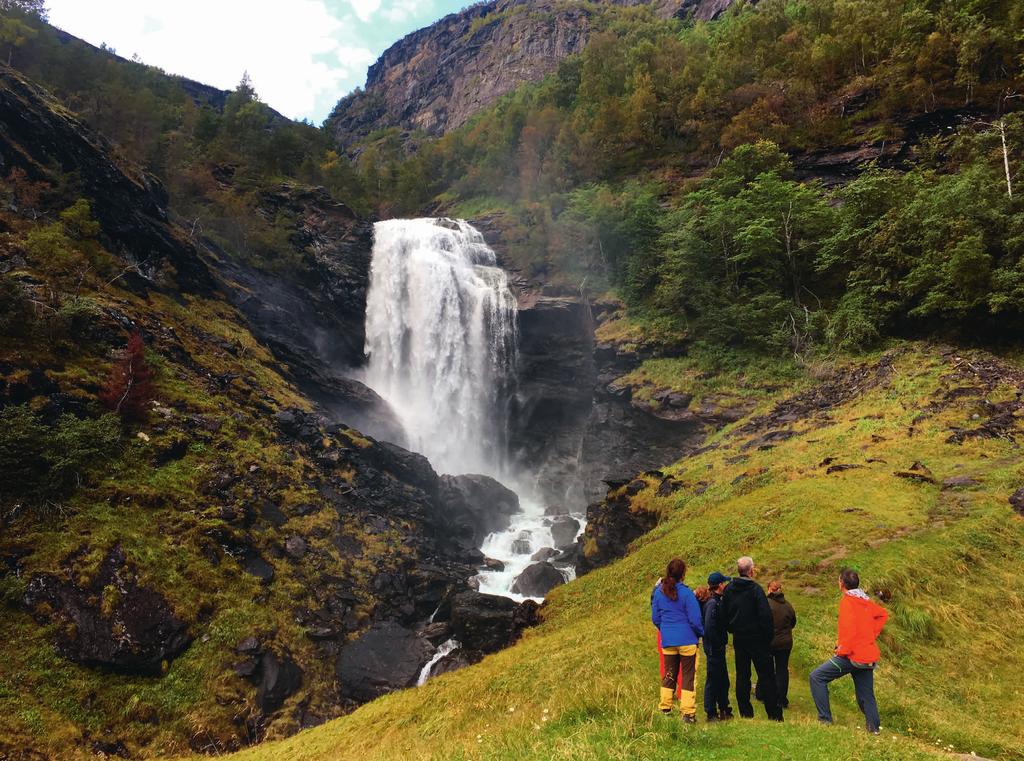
(676, 613)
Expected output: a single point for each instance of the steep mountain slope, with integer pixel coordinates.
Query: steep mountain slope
(435, 79)
(900, 464)
(184, 571)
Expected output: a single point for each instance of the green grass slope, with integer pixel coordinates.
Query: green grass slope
(584, 684)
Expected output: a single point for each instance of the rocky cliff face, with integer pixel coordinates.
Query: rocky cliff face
(48, 143)
(435, 79)
(313, 317)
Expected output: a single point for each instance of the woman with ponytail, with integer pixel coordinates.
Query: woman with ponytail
(676, 613)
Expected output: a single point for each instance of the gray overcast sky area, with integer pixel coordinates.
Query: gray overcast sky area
(302, 55)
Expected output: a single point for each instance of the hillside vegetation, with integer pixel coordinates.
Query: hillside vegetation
(940, 545)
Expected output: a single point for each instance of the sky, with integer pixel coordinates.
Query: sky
(302, 55)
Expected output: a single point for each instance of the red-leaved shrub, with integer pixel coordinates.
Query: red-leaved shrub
(130, 386)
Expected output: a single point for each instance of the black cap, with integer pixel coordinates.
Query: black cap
(717, 578)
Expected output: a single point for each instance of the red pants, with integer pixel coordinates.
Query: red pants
(661, 668)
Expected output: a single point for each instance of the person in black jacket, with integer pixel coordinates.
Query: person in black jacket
(749, 619)
(716, 685)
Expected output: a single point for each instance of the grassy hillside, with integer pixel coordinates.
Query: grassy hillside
(584, 684)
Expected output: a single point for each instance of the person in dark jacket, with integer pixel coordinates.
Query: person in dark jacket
(749, 619)
(784, 619)
(716, 684)
(676, 613)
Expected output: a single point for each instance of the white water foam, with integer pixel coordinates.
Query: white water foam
(443, 649)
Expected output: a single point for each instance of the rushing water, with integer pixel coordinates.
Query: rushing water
(442, 345)
(441, 338)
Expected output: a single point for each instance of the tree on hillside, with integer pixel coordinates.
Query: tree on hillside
(739, 252)
(35, 8)
(14, 31)
(130, 385)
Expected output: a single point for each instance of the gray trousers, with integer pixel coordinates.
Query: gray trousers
(863, 685)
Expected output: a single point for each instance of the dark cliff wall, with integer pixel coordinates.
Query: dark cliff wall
(435, 79)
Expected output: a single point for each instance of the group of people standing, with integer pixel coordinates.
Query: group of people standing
(761, 626)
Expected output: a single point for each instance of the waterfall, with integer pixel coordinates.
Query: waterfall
(441, 340)
(442, 345)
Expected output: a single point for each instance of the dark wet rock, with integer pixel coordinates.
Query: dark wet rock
(387, 657)
(564, 530)
(271, 512)
(566, 557)
(298, 424)
(113, 621)
(544, 553)
(437, 632)
(840, 467)
(913, 475)
(554, 393)
(537, 580)
(295, 547)
(248, 645)
(493, 564)
(768, 440)
(255, 565)
(669, 486)
(477, 505)
(920, 467)
(486, 623)
(279, 678)
(246, 667)
(170, 451)
(557, 508)
(960, 482)
(635, 486)
(616, 482)
(1016, 500)
(611, 526)
(454, 661)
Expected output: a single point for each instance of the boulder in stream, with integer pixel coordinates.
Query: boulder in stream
(387, 657)
(486, 623)
(563, 531)
(537, 580)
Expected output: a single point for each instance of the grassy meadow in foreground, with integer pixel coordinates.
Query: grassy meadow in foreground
(583, 685)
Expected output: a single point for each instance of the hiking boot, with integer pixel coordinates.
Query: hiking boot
(689, 719)
(725, 715)
(713, 717)
(666, 711)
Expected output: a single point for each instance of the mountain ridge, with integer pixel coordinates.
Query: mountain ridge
(436, 78)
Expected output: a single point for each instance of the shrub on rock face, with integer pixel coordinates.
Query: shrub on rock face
(41, 462)
(130, 386)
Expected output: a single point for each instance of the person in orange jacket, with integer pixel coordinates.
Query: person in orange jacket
(857, 654)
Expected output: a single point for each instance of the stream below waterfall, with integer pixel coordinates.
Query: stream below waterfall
(442, 342)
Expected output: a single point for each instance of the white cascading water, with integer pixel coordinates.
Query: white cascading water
(442, 345)
(441, 338)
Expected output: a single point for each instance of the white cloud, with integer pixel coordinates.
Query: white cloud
(298, 54)
(402, 10)
(365, 8)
